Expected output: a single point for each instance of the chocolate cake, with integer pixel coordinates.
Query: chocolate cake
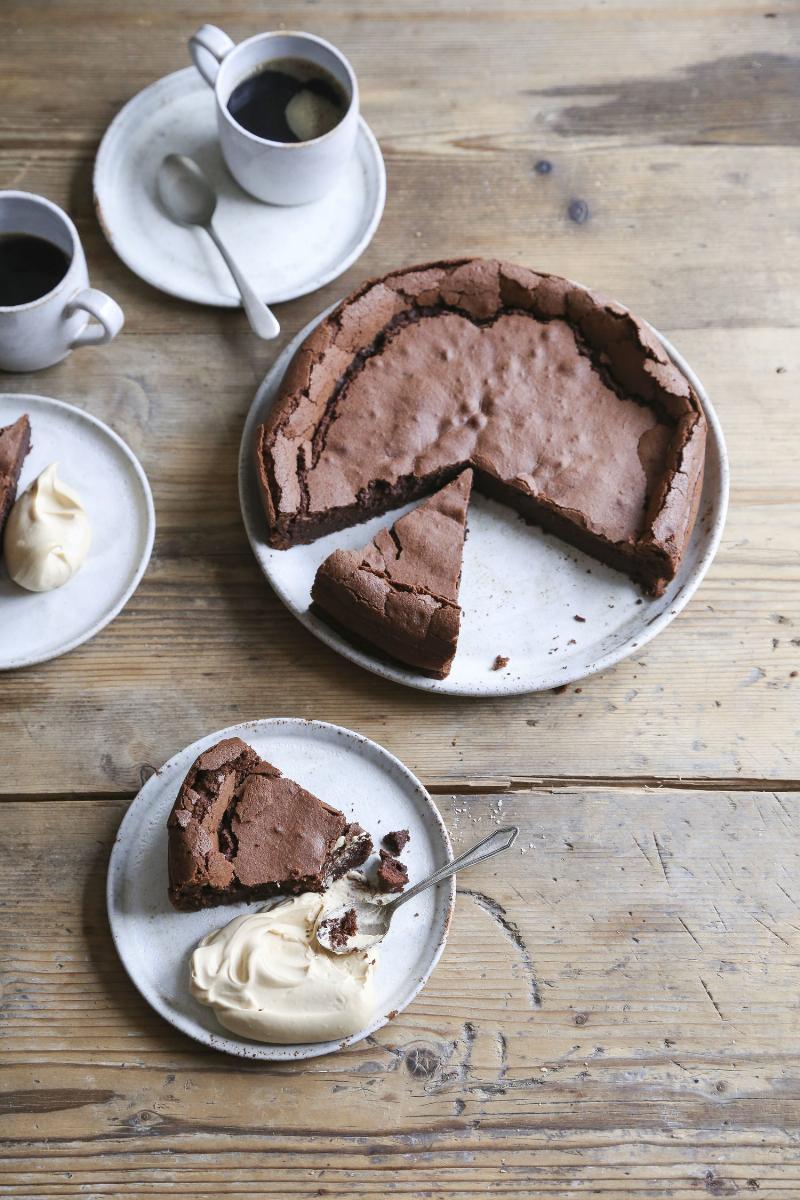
(240, 830)
(401, 591)
(396, 841)
(566, 406)
(392, 875)
(15, 442)
(337, 931)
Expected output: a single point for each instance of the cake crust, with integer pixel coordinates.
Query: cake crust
(565, 404)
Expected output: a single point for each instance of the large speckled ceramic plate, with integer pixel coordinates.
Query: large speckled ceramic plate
(521, 590)
(356, 775)
(36, 626)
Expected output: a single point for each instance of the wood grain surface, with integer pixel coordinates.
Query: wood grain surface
(616, 1011)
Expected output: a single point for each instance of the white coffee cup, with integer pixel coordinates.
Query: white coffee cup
(276, 172)
(43, 331)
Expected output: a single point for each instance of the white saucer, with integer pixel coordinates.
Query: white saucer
(36, 626)
(288, 251)
(357, 776)
(521, 589)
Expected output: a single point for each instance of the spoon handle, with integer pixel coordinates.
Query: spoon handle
(262, 320)
(495, 843)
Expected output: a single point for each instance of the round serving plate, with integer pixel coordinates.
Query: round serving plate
(289, 251)
(343, 768)
(555, 613)
(37, 626)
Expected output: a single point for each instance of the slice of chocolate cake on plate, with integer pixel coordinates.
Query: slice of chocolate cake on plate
(240, 830)
(400, 592)
(15, 442)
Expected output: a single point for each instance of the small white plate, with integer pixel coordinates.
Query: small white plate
(521, 589)
(356, 775)
(288, 251)
(36, 626)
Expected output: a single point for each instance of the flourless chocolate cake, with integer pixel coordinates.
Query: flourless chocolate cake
(15, 442)
(240, 830)
(400, 592)
(566, 406)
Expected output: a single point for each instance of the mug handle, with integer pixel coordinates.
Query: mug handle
(208, 46)
(105, 311)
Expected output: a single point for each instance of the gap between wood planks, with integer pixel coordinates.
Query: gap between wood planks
(491, 787)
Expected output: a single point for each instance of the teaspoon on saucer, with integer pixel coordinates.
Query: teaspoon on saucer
(188, 197)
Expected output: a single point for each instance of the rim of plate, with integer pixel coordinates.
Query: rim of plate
(241, 1048)
(102, 185)
(144, 562)
(496, 685)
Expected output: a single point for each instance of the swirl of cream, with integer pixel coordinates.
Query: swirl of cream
(266, 977)
(47, 534)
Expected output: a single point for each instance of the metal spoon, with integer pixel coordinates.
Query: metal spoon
(189, 198)
(373, 916)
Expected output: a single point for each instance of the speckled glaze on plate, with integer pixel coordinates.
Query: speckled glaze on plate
(522, 591)
(288, 252)
(37, 626)
(343, 768)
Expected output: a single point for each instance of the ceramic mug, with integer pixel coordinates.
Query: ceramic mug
(276, 172)
(43, 331)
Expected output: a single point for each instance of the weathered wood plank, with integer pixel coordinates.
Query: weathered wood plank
(615, 1012)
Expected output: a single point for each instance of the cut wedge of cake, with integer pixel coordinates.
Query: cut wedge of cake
(15, 442)
(400, 593)
(240, 830)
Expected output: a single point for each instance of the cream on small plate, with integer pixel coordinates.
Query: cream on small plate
(74, 594)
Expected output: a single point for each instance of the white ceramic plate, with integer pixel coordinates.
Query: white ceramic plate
(521, 589)
(114, 490)
(359, 777)
(288, 251)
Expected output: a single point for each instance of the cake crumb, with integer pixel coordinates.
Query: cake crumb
(340, 929)
(392, 874)
(396, 841)
(502, 660)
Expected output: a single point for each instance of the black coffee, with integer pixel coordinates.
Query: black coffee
(30, 267)
(288, 100)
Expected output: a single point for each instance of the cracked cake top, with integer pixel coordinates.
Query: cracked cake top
(239, 829)
(560, 400)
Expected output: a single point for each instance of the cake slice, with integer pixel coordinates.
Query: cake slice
(400, 593)
(15, 442)
(240, 830)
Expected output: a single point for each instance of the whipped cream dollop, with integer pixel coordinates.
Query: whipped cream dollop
(48, 534)
(267, 978)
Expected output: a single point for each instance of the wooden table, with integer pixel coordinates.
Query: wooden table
(616, 1013)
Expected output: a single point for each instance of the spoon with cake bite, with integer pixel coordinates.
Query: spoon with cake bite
(357, 919)
(189, 199)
